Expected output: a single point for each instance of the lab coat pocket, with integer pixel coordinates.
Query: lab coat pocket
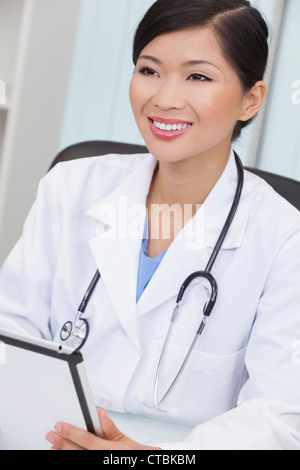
(208, 386)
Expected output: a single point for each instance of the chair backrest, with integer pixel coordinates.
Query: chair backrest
(286, 187)
(96, 148)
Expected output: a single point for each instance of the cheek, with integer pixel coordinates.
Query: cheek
(138, 95)
(221, 108)
(231, 101)
(132, 95)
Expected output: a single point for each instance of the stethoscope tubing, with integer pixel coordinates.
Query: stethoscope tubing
(231, 214)
(89, 293)
(214, 292)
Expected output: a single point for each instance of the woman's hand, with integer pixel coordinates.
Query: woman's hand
(68, 437)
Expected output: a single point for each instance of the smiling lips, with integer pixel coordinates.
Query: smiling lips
(168, 129)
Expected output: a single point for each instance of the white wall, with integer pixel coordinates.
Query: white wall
(35, 60)
(97, 105)
(280, 148)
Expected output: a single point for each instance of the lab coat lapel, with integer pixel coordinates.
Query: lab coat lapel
(116, 248)
(191, 250)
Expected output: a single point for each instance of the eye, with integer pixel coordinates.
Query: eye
(148, 71)
(198, 77)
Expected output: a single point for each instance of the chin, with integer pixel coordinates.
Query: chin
(169, 152)
(166, 156)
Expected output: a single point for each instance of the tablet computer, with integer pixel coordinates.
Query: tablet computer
(41, 383)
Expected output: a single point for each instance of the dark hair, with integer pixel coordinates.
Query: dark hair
(240, 29)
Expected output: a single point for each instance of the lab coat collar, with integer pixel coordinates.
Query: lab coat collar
(116, 247)
(217, 207)
(129, 195)
(117, 257)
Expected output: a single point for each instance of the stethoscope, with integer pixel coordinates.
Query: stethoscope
(76, 333)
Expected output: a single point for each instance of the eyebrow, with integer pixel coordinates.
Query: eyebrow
(190, 63)
(149, 57)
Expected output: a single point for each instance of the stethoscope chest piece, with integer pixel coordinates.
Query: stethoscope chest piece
(66, 331)
(75, 334)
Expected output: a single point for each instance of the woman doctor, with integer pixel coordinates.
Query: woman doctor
(197, 83)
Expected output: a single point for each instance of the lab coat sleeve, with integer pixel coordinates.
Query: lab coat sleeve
(268, 413)
(254, 425)
(27, 274)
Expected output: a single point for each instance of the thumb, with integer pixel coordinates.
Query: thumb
(110, 430)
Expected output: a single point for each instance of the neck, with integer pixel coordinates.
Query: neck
(187, 181)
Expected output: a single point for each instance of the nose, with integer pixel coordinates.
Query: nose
(168, 95)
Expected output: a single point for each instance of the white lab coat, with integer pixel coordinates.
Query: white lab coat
(241, 387)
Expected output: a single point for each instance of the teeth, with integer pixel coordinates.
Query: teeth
(170, 127)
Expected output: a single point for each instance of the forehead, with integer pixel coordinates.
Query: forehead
(186, 45)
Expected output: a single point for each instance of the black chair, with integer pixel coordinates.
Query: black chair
(286, 187)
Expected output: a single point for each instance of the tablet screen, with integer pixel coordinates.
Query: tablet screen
(40, 385)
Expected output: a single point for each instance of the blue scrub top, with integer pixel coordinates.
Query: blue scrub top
(147, 266)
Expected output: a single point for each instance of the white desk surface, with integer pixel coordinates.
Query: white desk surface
(148, 431)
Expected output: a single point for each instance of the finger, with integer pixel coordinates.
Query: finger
(60, 443)
(78, 438)
(110, 430)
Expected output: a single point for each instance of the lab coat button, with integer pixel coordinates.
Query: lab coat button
(106, 404)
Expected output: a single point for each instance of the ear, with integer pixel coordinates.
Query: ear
(253, 101)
